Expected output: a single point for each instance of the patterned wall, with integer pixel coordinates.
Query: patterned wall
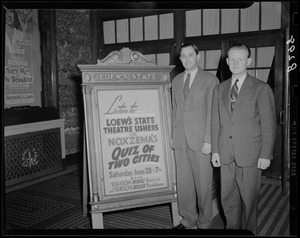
(73, 39)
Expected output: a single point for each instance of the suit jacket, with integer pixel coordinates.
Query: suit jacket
(250, 129)
(191, 119)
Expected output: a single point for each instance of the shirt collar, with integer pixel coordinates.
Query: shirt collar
(193, 73)
(241, 80)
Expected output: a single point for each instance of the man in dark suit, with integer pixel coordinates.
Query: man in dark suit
(243, 135)
(191, 119)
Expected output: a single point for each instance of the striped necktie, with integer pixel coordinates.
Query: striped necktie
(234, 94)
(186, 86)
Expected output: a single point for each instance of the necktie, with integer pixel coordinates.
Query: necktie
(234, 94)
(186, 86)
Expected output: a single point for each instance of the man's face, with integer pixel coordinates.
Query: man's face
(23, 13)
(238, 61)
(10, 17)
(189, 58)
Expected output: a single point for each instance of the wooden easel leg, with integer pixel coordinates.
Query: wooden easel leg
(97, 220)
(85, 183)
(175, 215)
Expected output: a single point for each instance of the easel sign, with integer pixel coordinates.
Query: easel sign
(128, 122)
(134, 156)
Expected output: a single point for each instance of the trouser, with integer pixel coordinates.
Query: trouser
(240, 189)
(194, 187)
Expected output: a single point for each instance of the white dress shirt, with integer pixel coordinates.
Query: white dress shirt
(239, 83)
(192, 76)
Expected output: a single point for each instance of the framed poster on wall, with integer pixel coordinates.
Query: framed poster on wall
(127, 106)
(22, 84)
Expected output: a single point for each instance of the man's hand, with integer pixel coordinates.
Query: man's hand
(215, 160)
(263, 163)
(206, 148)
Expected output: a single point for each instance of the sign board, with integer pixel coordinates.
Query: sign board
(128, 126)
(22, 61)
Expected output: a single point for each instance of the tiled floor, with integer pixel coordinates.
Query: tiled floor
(57, 204)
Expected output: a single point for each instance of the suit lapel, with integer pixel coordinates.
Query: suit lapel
(244, 89)
(197, 83)
(194, 87)
(226, 95)
(180, 86)
(181, 83)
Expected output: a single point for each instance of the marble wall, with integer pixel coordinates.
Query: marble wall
(73, 48)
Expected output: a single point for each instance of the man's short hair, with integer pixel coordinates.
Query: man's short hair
(239, 46)
(189, 44)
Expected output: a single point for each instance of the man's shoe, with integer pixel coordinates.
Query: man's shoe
(180, 226)
(205, 226)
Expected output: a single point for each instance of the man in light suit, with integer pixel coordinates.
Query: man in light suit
(191, 119)
(242, 139)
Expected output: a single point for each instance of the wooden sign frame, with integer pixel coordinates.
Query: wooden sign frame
(127, 108)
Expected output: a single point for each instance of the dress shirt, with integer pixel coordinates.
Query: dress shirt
(192, 76)
(240, 82)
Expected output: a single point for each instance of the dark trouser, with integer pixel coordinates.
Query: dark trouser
(240, 188)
